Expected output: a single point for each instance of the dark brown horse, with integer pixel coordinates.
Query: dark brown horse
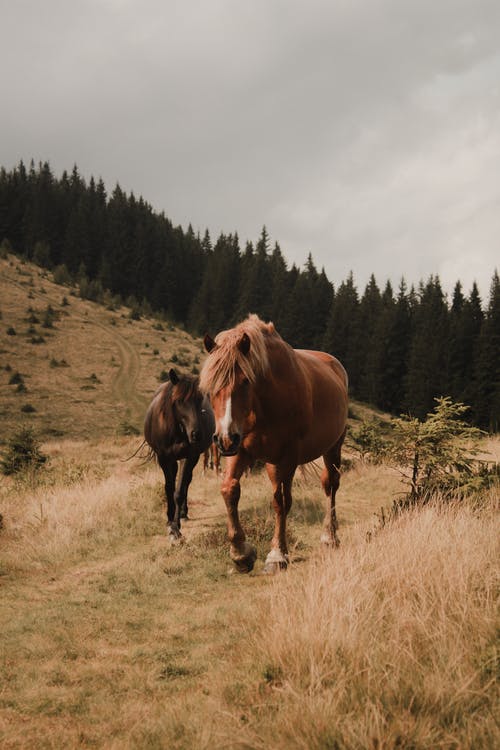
(178, 427)
(284, 406)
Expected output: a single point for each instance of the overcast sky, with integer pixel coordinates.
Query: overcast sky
(365, 132)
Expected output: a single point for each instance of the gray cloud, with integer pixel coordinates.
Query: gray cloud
(364, 132)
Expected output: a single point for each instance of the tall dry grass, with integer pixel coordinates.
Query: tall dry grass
(385, 644)
(86, 502)
(111, 638)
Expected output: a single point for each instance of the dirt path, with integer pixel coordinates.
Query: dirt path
(124, 385)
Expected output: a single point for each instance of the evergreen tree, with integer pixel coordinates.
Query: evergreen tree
(342, 330)
(394, 343)
(279, 288)
(370, 311)
(486, 404)
(426, 378)
(466, 318)
(256, 283)
(213, 307)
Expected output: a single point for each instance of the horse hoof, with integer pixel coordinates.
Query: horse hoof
(330, 540)
(174, 535)
(243, 566)
(244, 561)
(276, 561)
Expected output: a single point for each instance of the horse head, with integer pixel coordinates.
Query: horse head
(232, 402)
(191, 409)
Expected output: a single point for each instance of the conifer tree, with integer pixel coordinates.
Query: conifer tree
(342, 330)
(279, 288)
(370, 311)
(486, 404)
(256, 283)
(466, 319)
(426, 378)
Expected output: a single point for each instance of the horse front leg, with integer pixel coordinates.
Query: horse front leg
(181, 494)
(241, 552)
(169, 468)
(281, 480)
(330, 480)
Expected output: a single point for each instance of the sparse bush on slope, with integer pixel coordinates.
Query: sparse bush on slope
(23, 452)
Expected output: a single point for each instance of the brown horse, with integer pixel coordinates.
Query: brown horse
(178, 427)
(283, 406)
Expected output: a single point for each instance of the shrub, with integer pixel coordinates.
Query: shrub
(91, 289)
(23, 452)
(58, 362)
(16, 378)
(11, 331)
(28, 409)
(368, 442)
(49, 317)
(41, 255)
(5, 248)
(61, 275)
(438, 454)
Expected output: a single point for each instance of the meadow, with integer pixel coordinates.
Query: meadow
(112, 638)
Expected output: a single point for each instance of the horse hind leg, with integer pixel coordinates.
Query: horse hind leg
(330, 479)
(277, 558)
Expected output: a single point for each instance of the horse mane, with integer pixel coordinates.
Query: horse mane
(219, 368)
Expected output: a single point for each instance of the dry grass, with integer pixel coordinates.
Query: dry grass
(385, 645)
(111, 638)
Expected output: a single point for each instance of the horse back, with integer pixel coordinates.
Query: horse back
(324, 401)
(158, 431)
(331, 362)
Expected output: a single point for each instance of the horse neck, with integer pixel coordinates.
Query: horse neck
(273, 389)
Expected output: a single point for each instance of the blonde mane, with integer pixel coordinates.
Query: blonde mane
(219, 369)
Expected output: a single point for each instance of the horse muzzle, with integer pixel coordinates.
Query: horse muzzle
(228, 446)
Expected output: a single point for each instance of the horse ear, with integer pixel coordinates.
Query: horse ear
(174, 378)
(244, 344)
(209, 343)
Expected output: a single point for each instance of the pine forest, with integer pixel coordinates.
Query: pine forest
(402, 347)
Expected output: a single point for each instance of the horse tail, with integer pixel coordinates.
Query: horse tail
(148, 457)
(309, 471)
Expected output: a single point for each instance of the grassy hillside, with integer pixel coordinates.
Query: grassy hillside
(111, 638)
(86, 369)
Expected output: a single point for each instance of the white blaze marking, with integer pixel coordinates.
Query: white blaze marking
(225, 423)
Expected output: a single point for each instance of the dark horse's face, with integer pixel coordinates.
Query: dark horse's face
(189, 413)
(232, 407)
